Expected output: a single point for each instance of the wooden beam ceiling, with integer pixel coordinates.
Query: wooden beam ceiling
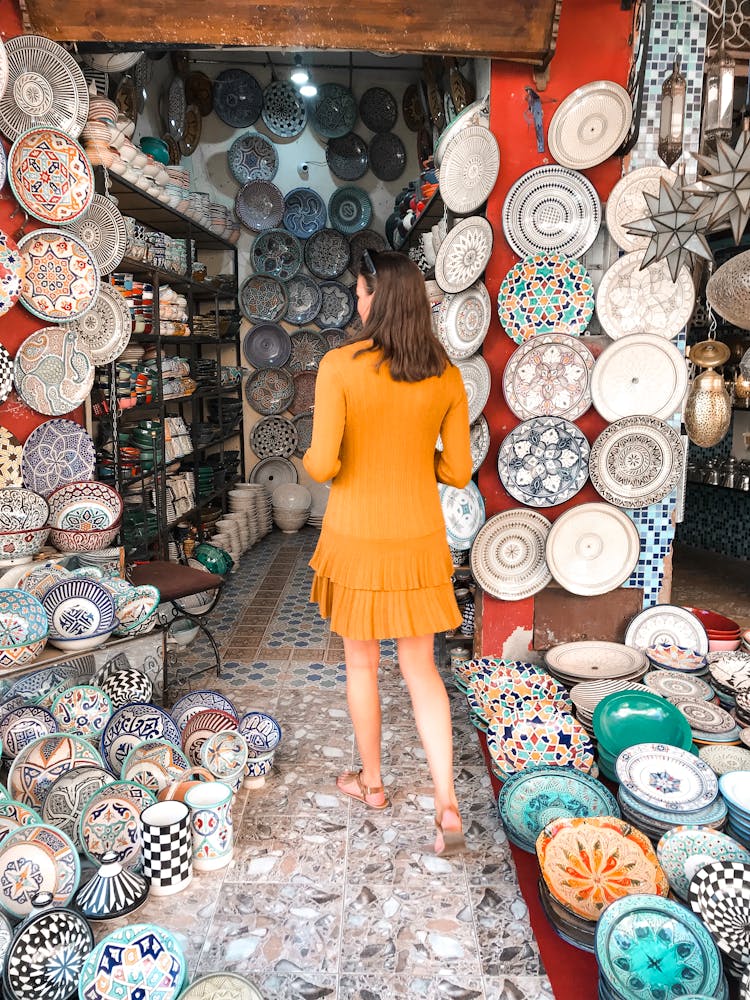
(516, 30)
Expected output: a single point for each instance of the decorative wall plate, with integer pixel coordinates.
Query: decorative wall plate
(545, 294)
(626, 204)
(53, 371)
(45, 959)
(551, 210)
(683, 850)
(387, 156)
(666, 624)
(270, 390)
(61, 280)
(411, 107)
(50, 176)
(11, 452)
(270, 473)
(667, 777)
(12, 272)
(469, 169)
(303, 424)
(337, 305)
(728, 290)
(304, 300)
(135, 955)
(45, 87)
(304, 393)
(640, 374)
(378, 109)
(336, 338)
(273, 436)
(463, 321)
(267, 345)
(333, 111)
(590, 124)
(263, 298)
(549, 375)
(175, 106)
(238, 98)
(350, 210)
(105, 330)
(475, 373)
(308, 348)
(305, 212)
(544, 461)
(199, 90)
(259, 205)
(347, 157)
(6, 373)
(673, 684)
(636, 461)
(327, 254)
(476, 113)
(593, 549)
(463, 511)
(631, 301)
(463, 254)
(507, 557)
(368, 239)
(284, 110)
(278, 253)
(132, 724)
(102, 229)
(36, 858)
(252, 157)
(191, 134)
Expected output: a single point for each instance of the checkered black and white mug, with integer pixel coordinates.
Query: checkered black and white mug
(167, 847)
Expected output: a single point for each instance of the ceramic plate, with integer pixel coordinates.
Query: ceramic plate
(36, 858)
(672, 684)
(463, 321)
(549, 375)
(463, 254)
(469, 169)
(267, 345)
(476, 113)
(706, 719)
(463, 511)
(551, 210)
(6, 374)
(263, 298)
(303, 423)
(61, 278)
(304, 300)
(305, 212)
(595, 659)
(387, 156)
(347, 157)
(308, 348)
(723, 759)
(135, 954)
(102, 229)
(350, 210)
(327, 254)
(304, 392)
(636, 461)
(238, 98)
(199, 701)
(259, 205)
(252, 157)
(273, 436)
(479, 442)
(333, 111)
(626, 204)
(69, 794)
(110, 822)
(593, 549)
(278, 253)
(641, 374)
(666, 624)
(50, 176)
(368, 239)
(53, 371)
(269, 472)
(475, 373)
(666, 777)
(155, 764)
(378, 109)
(106, 329)
(132, 724)
(270, 390)
(82, 710)
(337, 305)
(222, 986)
(544, 461)
(630, 301)
(719, 893)
(191, 135)
(12, 272)
(507, 556)
(45, 958)
(678, 659)
(545, 294)
(590, 124)
(284, 111)
(11, 452)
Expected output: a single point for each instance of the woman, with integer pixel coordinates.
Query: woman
(382, 565)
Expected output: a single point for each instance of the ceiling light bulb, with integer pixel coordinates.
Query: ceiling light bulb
(299, 73)
(308, 90)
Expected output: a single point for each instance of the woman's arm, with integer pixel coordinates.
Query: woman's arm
(321, 460)
(453, 463)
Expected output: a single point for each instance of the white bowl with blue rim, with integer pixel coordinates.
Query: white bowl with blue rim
(79, 608)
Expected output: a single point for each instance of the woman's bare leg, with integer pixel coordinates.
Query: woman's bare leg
(362, 662)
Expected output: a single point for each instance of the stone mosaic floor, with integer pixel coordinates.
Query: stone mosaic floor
(323, 898)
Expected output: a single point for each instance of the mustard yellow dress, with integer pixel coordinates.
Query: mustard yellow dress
(382, 564)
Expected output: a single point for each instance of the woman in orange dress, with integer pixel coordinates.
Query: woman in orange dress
(382, 564)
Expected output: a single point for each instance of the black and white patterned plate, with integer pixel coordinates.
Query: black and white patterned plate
(347, 157)
(274, 435)
(308, 348)
(284, 110)
(338, 305)
(46, 956)
(719, 894)
(378, 109)
(387, 156)
(6, 374)
(327, 255)
(238, 98)
(252, 157)
(305, 300)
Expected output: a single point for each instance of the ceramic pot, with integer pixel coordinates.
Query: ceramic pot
(210, 804)
(177, 791)
(167, 843)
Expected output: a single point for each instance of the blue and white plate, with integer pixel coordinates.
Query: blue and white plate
(333, 111)
(684, 849)
(304, 300)
(666, 777)
(464, 514)
(304, 212)
(252, 157)
(78, 608)
(198, 701)
(55, 453)
(544, 461)
(22, 509)
(23, 724)
(40, 682)
(261, 731)
(132, 724)
(127, 959)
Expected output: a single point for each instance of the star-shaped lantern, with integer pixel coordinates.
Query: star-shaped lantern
(677, 233)
(725, 190)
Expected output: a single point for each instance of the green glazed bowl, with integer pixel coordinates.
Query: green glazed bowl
(625, 718)
(215, 560)
(155, 147)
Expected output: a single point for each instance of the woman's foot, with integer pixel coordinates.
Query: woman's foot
(450, 838)
(373, 796)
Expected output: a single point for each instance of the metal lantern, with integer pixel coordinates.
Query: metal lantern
(718, 101)
(672, 115)
(708, 408)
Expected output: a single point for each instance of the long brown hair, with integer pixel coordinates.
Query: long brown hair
(400, 320)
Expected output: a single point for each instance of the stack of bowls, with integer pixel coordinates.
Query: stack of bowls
(84, 516)
(723, 633)
(253, 500)
(626, 718)
(320, 493)
(735, 790)
(23, 525)
(728, 671)
(227, 537)
(670, 657)
(291, 506)
(262, 733)
(24, 626)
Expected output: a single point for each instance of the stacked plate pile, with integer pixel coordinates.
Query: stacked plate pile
(627, 718)
(742, 703)
(572, 662)
(320, 493)
(291, 507)
(587, 695)
(719, 894)
(728, 671)
(724, 634)
(685, 849)
(252, 500)
(735, 791)
(667, 656)
(710, 724)
(662, 787)
(675, 685)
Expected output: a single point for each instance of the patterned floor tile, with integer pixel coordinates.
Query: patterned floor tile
(406, 987)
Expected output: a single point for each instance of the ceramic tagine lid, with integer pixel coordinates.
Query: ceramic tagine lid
(709, 354)
(112, 892)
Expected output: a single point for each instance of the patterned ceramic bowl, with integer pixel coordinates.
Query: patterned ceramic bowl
(21, 543)
(83, 541)
(136, 610)
(81, 645)
(551, 737)
(258, 768)
(21, 510)
(17, 656)
(78, 608)
(89, 506)
(22, 619)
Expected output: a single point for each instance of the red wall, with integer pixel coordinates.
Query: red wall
(593, 44)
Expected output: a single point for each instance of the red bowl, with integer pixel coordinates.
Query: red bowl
(712, 621)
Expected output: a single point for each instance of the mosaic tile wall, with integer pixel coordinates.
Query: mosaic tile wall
(718, 520)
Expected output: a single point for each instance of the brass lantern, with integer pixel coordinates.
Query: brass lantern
(672, 115)
(718, 101)
(708, 409)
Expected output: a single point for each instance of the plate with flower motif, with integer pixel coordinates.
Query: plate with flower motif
(278, 253)
(475, 373)
(544, 461)
(463, 321)
(45, 957)
(479, 442)
(667, 777)
(308, 348)
(588, 863)
(469, 169)
(463, 511)
(103, 230)
(263, 298)
(110, 822)
(333, 111)
(305, 212)
(53, 371)
(284, 109)
(304, 300)
(507, 555)
(135, 954)
(337, 305)
(723, 759)
(12, 272)
(155, 764)
(546, 293)
(253, 157)
(549, 375)
(669, 657)
(106, 329)
(82, 710)
(327, 254)
(626, 203)
(672, 684)
(636, 461)
(51, 176)
(634, 301)
(270, 390)
(61, 279)
(39, 765)
(463, 254)
(36, 858)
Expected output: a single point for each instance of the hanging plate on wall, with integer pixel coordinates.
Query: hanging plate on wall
(626, 204)
(463, 254)
(479, 442)
(630, 300)
(469, 169)
(592, 549)
(10, 459)
(350, 210)
(267, 345)
(6, 374)
(259, 205)
(304, 300)
(61, 280)
(475, 373)
(106, 329)
(308, 348)
(347, 157)
(544, 461)
(278, 253)
(55, 453)
(378, 109)
(238, 99)
(463, 511)
(640, 374)
(103, 231)
(270, 390)
(337, 305)
(12, 272)
(51, 176)
(507, 557)
(636, 461)
(463, 321)
(53, 371)
(590, 124)
(263, 298)
(476, 113)
(547, 293)
(333, 111)
(284, 110)
(549, 375)
(327, 254)
(304, 212)
(252, 157)
(387, 156)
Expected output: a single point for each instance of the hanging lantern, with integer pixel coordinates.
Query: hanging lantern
(718, 102)
(708, 409)
(672, 115)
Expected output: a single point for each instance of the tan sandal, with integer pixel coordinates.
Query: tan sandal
(454, 841)
(364, 790)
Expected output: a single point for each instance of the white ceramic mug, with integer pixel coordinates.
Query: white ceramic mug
(167, 842)
(210, 805)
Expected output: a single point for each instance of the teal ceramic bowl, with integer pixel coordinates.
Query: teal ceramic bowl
(215, 560)
(625, 718)
(155, 147)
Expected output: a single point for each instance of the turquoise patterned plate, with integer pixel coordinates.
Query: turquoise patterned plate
(545, 294)
(350, 210)
(130, 961)
(684, 849)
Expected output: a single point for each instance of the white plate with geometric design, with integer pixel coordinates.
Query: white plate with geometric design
(507, 557)
(636, 461)
(667, 778)
(464, 254)
(632, 301)
(463, 511)
(666, 625)
(626, 203)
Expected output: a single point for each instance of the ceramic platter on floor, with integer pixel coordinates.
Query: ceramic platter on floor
(463, 321)
(595, 660)
(685, 782)
(636, 461)
(551, 209)
(590, 124)
(593, 549)
(546, 293)
(105, 330)
(633, 301)
(475, 373)
(667, 625)
(222, 986)
(507, 556)
(463, 254)
(120, 958)
(544, 461)
(626, 204)
(642, 374)
(463, 510)
(549, 375)
(46, 852)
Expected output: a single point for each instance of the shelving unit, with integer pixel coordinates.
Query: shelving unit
(203, 297)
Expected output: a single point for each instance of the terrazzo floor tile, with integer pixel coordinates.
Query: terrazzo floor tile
(282, 848)
(506, 944)
(386, 849)
(518, 988)
(407, 987)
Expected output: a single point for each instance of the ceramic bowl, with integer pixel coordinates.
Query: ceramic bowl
(214, 559)
(21, 510)
(735, 789)
(78, 608)
(21, 543)
(83, 541)
(18, 656)
(81, 645)
(22, 619)
(712, 621)
(135, 608)
(291, 497)
(261, 731)
(625, 718)
(257, 769)
(84, 506)
(723, 645)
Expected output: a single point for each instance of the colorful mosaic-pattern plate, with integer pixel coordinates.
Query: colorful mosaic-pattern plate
(545, 294)
(12, 272)
(51, 176)
(61, 280)
(53, 371)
